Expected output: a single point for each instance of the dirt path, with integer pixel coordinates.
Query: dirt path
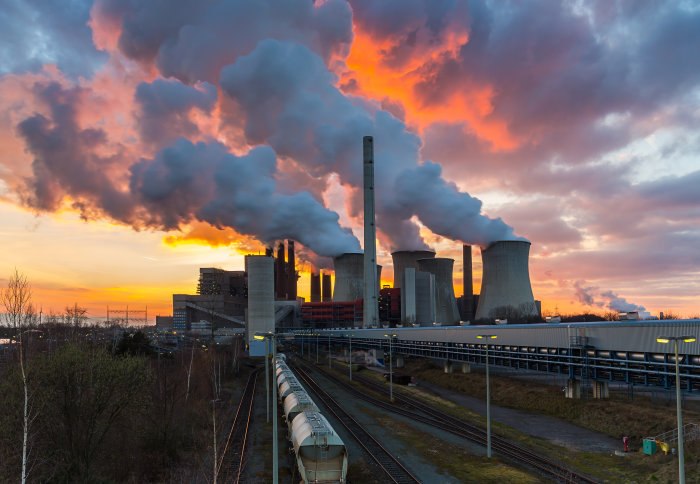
(551, 429)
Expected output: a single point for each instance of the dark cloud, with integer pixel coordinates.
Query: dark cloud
(205, 182)
(36, 32)
(184, 182)
(67, 160)
(193, 40)
(165, 107)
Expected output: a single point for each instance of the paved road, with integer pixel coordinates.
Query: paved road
(551, 429)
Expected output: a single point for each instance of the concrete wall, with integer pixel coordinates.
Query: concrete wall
(446, 310)
(425, 298)
(408, 296)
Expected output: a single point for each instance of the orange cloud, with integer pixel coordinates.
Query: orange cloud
(370, 74)
(205, 234)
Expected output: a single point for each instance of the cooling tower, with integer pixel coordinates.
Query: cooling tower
(349, 277)
(446, 311)
(326, 295)
(261, 296)
(506, 292)
(315, 287)
(404, 259)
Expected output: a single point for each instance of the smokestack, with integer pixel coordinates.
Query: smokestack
(292, 275)
(404, 259)
(370, 313)
(468, 298)
(446, 311)
(269, 251)
(280, 273)
(315, 287)
(506, 292)
(326, 295)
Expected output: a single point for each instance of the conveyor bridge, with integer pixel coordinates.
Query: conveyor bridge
(621, 353)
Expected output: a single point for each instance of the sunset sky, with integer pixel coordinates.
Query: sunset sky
(140, 141)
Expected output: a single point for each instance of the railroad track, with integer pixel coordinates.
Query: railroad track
(395, 471)
(449, 423)
(230, 464)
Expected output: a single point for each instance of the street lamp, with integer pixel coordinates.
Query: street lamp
(391, 367)
(681, 458)
(270, 336)
(488, 394)
(350, 356)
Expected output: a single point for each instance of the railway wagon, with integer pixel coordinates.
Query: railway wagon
(295, 403)
(320, 453)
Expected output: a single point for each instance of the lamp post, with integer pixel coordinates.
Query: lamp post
(329, 349)
(317, 347)
(488, 394)
(350, 356)
(267, 376)
(271, 336)
(391, 367)
(681, 457)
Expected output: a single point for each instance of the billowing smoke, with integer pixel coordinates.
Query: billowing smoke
(182, 183)
(290, 102)
(262, 75)
(592, 296)
(619, 304)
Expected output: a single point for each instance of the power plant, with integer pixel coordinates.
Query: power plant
(265, 294)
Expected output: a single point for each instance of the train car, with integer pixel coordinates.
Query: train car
(320, 453)
(295, 403)
(288, 387)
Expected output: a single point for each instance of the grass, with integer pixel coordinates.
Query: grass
(455, 460)
(616, 417)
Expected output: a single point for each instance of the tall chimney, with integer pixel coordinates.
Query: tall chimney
(291, 272)
(280, 273)
(468, 298)
(326, 295)
(370, 316)
(315, 287)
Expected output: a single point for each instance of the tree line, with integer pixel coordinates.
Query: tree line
(81, 406)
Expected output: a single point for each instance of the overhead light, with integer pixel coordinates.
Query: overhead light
(662, 340)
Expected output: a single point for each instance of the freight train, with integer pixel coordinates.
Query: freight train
(319, 452)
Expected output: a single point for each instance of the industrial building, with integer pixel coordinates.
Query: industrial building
(222, 296)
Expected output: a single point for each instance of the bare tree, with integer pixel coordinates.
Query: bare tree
(19, 314)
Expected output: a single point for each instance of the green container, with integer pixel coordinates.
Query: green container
(649, 446)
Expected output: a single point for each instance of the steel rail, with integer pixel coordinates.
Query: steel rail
(238, 434)
(393, 468)
(463, 429)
